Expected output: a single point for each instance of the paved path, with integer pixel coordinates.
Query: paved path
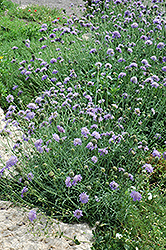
(59, 4)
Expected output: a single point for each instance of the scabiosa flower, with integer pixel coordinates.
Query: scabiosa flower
(148, 167)
(9, 98)
(103, 151)
(136, 196)
(14, 47)
(44, 77)
(154, 58)
(68, 182)
(92, 51)
(160, 45)
(122, 74)
(137, 111)
(110, 52)
(78, 213)
(148, 42)
(156, 153)
(56, 137)
(155, 85)
(90, 146)
(24, 190)
(77, 141)
(32, 215)
(32, 106)
(108, 65)
(96, 135)
(76, 178)
(113, 185)
(164, 68)
(30, 176)
(53, 60)
(134, 25)
(85, 131)
(11, 162)
(94, 159)
(60, 129)
(84, 197)
(164, 155)
(116, 34)
(44, 46)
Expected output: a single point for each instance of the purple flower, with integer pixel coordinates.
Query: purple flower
(44, 77)
(94, 159)
(96, 198)
(30, 115)
(78, 213)
(103, 151)
(24, 190)
(14, 47)
(76, 178)
(134, 25)
(148, 167)
(90, 146)
(96, 135)
(32, 106)
(9, 98)
(85, 131)
(53, 60)
(116, 34)
(121, 75)
(56, 137)
(11, 162)
(92, 51)
(164, 68)
(156, 153)
(32, 215)
(155, 85)
(68, 182)
(84, 197)
(131, 177)
(160, 45)
(30, 176)
(77, 141)
(136, 196)
(110, 52)
(60, 129)
(164, 155)
(113, 185)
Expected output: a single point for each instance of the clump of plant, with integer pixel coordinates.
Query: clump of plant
(91, 114)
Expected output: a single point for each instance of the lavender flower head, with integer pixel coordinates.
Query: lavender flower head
(76, 179)
(68, 182)
(11, 162)
(77, 141)
(136, 196)
(9, 98)
(148, 167)
(56, 137)
(113, 185)
(24, 190)
(78, 213)
(84, 197)
(94, 159)
(156, 153)
(61, 129)
(32, 215)
(85, 131)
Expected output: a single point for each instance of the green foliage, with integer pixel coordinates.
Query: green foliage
(134, 128)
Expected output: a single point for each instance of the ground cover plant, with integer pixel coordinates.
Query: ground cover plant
(88, 95)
